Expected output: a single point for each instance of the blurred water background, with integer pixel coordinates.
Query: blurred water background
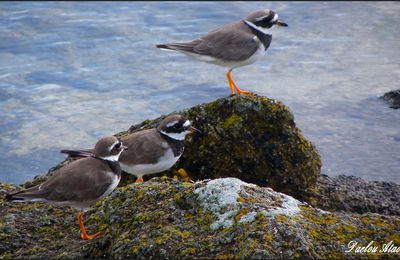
(72, 72)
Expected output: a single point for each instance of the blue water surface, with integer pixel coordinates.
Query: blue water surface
(72, 72)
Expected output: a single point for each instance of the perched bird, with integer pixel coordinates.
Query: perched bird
(151, 150)
(233, 45)
(80, 183)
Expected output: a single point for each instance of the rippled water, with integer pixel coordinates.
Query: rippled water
(71, 72)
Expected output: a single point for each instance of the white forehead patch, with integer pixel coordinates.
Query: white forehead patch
(112, 146)
(172, 123)
(186, 124)
(275, 18)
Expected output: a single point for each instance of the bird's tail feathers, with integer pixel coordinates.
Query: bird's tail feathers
(30, 194)
(78, 153)
(177, 46)
(163, 46)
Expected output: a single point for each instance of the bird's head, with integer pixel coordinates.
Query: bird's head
(265, 19)
(109, 148)
(176, 127)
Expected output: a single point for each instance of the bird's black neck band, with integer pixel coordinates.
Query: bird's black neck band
(263, 37)
(177, 146)
(114, 165)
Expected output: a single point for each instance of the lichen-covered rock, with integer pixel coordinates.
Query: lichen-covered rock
(227, 218)
(165, 218)
(37, 230)
(392, 98)
(249, 137)
(353, 194)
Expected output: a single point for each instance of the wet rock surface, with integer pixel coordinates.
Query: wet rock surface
(165, 218)
(392, 98)
(353, 194)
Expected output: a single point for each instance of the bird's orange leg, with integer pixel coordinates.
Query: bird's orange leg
(139, 180)
(238, 90)
(84, 235)
(230, 82)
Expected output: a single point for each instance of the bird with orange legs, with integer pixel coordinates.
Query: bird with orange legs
(81, 183)
(233, 45)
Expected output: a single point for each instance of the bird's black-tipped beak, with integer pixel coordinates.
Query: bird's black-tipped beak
(280, 23)
(193, 129)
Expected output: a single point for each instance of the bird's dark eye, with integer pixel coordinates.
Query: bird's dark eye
(117, 146)
(178, 125)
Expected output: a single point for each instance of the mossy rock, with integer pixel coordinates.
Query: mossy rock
(165, 218)
(249, 137)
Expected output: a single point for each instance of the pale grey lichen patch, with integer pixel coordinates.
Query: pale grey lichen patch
(270, 204)
(220, 196)
(289, 206)
(249, 217)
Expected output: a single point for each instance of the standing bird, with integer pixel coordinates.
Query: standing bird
(233, 45)
(152, 150)
(80, 183)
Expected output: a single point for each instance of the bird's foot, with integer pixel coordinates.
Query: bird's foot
(243, 92)
(233, 86)
(139, 180)
(90, 237)
(84, 235)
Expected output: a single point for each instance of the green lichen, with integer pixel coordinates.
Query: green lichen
(231, 121)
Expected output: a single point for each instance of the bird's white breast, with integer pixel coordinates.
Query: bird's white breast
(112, 186)
(164, 163)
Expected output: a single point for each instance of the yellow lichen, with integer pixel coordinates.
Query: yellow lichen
(241, 199)
(241, 213)
(281, 218)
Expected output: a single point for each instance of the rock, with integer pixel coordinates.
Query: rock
(165, 218)
(392, 98)
(249, 137)
(353, 194)
(35, 230)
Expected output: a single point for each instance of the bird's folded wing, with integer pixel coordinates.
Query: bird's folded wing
(70, 184)
(229, 45)
(87, 184)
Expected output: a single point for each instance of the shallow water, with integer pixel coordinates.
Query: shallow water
(71, 72)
